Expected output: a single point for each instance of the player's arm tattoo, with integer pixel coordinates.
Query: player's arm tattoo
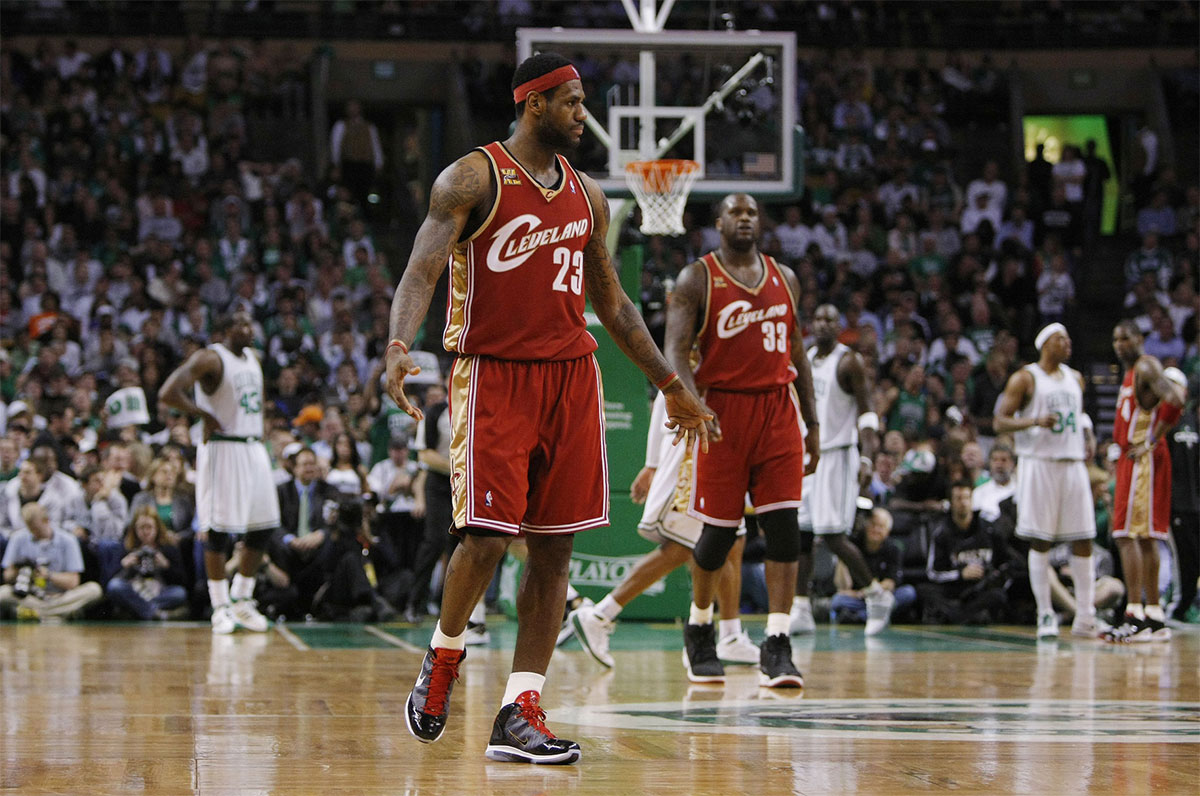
(614, 309)
(463, 186)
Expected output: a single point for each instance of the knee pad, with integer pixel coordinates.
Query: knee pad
(218, 542)
(714, 546)
(257, 540)
(781, 530)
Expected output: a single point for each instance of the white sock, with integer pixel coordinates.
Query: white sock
(729, 627)
(1135, 610)
(609, 608)
(1155, 612)
(479, 615)
(441, 641)
(874, 588)
(572, 596)
(700, 616)
(1085, 587)
(798, 601)
(519, 683)
(1039, 581)
(243, 587)
(777, 624)
(218, 593)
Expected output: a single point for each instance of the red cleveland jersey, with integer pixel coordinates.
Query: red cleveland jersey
(1142, 500)
(516, 285)
(746, 338)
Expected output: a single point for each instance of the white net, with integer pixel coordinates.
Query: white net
(661, 188)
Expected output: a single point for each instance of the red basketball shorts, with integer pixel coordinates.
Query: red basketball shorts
(761, 452)
(527, 445)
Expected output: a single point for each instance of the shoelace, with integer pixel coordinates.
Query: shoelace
(444, 672)
(532, 712)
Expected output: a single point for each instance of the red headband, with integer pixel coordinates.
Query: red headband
(545, 82)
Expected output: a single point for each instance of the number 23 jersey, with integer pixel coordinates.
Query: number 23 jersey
(745, 337)
(516, 284)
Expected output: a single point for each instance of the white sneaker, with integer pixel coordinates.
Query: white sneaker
(245, 613)
(1089, 628)
(593, 630)
(223, 623)
(738, 648)
(568, 630)
(477, 634)
(879, 611)
(801, 619)
(1047, 626)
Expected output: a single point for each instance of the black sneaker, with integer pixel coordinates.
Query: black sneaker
(519, 735)
(429, 703)
(1132, 631)
(775, 662)
(700, 654)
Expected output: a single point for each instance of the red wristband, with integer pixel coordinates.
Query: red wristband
(399, 343)
(668, 381)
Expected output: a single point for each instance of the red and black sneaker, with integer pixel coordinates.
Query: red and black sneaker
(429, 703)
(519, 735)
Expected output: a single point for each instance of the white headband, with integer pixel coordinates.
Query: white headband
(1046, 333)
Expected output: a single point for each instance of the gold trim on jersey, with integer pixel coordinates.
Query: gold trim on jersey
(1140, 501)
(547, 193)
(461, 375)
(756, 289)
(459, 287)
(708, 285)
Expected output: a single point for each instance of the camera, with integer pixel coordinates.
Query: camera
(24, 582)
(147, 564)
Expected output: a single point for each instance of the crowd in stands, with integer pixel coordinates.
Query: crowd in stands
(130, 217)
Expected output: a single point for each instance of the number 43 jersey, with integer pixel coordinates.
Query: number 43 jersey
(745, 336)
(1056, 394)
(237, 403)
(516, 284)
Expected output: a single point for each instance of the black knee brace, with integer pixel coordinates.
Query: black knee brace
(713, 548)
(218, 542)
(781, 530)
(257, 540)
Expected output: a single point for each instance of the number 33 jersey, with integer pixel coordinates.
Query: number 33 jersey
(745, 337)
(516, 284)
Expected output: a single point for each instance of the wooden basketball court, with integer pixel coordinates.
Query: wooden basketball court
(169, 709)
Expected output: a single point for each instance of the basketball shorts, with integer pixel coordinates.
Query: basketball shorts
(831, 493)
(761, 451)
(1142, 501)
(235, 489)
(665, 518)
(527, 445)
(1054, 501)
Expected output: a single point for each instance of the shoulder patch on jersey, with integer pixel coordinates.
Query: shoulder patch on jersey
(509, 177)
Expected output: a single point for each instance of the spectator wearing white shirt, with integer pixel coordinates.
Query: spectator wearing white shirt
(993, 187)
(893, 193)
(72, 61)
(951, 340)
(830, 235)
(1019, 227)
(793, 235)
(1000, 486)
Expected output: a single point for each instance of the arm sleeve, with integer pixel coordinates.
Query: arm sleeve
(940, 567)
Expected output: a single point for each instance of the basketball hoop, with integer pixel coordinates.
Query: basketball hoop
(661, 188)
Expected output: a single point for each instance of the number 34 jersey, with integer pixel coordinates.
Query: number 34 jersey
(237, 403)
(745, 337)
(1055, 394)
(516, 284)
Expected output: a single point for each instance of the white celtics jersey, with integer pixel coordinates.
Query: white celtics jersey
(1055, 394)
(836, 409)
(237, 403)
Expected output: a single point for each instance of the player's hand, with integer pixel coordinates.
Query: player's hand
(1046, 421)
(1139, 450)
(211, 424)
(687, 417)
(812, 447)
(972, 572)
(399, 366)
(640, 487)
